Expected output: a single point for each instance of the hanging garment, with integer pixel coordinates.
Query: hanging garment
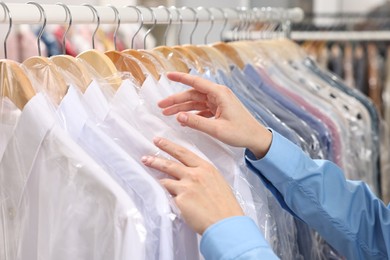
(147, 195)
(57, 203)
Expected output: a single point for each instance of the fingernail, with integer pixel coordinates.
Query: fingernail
(182, 117)
(145, 159)
(157, 140)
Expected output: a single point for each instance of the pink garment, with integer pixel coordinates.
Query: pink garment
(12, 48)
(336, 145)
(69, 47)
(28, 44)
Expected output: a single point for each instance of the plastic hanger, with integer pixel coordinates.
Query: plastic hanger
(43, 71)
(14, 83)
(69, 66)
(97, 62)
(124, 62)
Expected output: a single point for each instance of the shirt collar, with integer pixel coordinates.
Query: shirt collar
(96, 100)
(36, 120)
(127, 94)
(72, 113)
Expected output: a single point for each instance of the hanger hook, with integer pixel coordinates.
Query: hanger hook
(237, 26)
(140, 18)
(68, 16)
(225, 20)
(211, 17)
(181, 24)
(241, 24)
(43, 14)
(169, 22)
(118, 24)
(95, 14)
(196, 20)
(248, 21)
(151, 28)
(8, 13)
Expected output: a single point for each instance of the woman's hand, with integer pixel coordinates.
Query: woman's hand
(199, 190)
(219, 114)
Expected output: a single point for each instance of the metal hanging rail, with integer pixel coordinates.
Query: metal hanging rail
(56, 14)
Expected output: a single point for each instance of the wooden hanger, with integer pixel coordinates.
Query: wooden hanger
(149, 65)
(98, 63)
(69, 66)
(174, 57)
(126, 63)
(15, 84)
(102, 67)
(159, 58)
(230, 53)
(47, 77)
(217, 58)
(74, 70)
(44, 72)
(190, 57)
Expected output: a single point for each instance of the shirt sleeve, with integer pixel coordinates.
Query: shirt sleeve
(346, 213)
(235, 238)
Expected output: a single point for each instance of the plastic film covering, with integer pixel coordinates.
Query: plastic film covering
(56, 201)
(83, 116)
(278, 226)
(311, 246)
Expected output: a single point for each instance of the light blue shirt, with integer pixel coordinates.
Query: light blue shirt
(235, 238)
(346, 213)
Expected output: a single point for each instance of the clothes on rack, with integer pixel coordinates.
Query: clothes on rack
(72, 184)
(368, 76)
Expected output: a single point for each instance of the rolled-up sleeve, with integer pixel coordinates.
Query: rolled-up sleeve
(346, 213)
(235, 238)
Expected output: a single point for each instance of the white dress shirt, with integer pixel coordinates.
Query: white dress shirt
(57, 203)
(148, 195)
(9, 114)
(127, 105)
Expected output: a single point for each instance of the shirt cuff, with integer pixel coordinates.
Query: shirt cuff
(280, 162)
(230, 237)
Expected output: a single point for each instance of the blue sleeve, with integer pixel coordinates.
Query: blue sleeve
(235, 238)
(346, 213)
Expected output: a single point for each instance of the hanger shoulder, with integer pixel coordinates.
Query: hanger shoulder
(45, 73)
(125, 63)
(190, 56)
(173, 57)
(230, 52)
(15, 84)
(73, 69)
(216, 57)
(149, 65)
(101, 66)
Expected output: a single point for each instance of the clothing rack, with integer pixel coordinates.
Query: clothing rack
(56, 14)
(341, 35)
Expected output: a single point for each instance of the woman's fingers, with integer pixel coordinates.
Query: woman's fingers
(172, 186)
(202, 85)
(182, 97)
(180, 153)
(184, 107)
(172, 168)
